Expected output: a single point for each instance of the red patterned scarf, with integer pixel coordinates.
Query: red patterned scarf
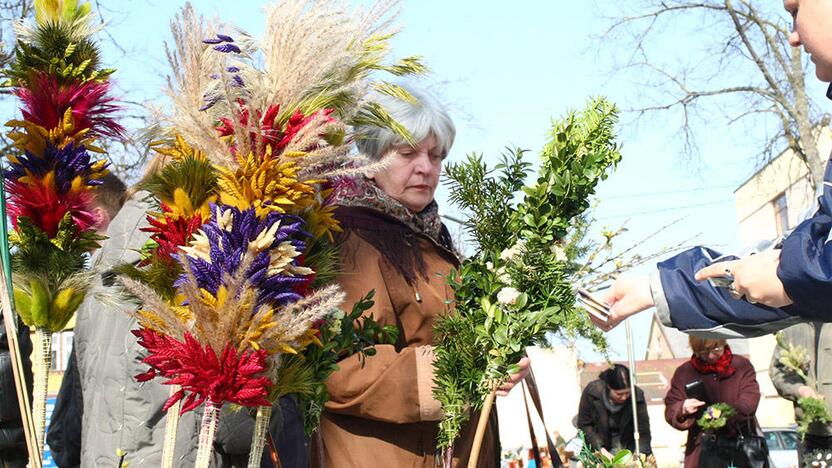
(722, 367)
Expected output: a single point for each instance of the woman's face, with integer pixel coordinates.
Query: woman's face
(711, 355)
(619, 396)
(412, 173)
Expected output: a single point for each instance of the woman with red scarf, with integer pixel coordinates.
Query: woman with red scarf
(725, 378)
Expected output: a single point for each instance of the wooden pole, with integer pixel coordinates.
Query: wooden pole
(481, 425)
(258, 440)
(171, 428)
(275, 457)
(42, 364)
(448, 461)
(207, 434)
(10, 322)
(19, 380)
(632, 359)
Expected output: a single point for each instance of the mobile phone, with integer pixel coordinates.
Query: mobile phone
(696, 389)
(724, 281)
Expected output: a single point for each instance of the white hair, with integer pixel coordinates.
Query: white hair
(422, 118)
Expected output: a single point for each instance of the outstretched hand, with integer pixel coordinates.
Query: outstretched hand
(627, 296)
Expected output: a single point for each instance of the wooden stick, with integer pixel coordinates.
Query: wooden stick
(481, 425)
(10, 322)
(17, 371)
(275, 457)
(320, 444)
(449, 457)
(207, 434)
(258, 440)
(43, 362)
(632, 361)
(171, 428)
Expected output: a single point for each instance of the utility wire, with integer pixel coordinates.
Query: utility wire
(670, 192)
(673, 208)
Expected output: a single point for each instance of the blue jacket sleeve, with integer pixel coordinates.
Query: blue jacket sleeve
(694, 306)
(806, 260)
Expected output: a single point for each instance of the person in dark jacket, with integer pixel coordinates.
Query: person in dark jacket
(725, 378)
(13, 452)
(771, 290)
(605, 414)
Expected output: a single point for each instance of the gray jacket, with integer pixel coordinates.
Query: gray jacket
(820, 366)
(119, 412)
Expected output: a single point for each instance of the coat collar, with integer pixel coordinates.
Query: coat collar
(361, 192)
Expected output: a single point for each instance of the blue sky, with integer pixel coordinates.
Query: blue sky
(505, 72)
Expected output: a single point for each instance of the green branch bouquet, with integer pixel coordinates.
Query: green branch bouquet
(516, 288)
(622, 459)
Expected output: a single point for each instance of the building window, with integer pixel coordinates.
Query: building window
(781, 213)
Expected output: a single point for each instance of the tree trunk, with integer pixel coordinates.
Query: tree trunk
(808, 135)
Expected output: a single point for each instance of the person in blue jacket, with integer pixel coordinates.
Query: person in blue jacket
(772, 289)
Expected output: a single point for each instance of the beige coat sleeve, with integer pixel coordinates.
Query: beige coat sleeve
(394, 385)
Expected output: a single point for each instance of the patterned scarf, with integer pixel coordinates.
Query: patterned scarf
(391, 227)
(722, 367)
(361, 192)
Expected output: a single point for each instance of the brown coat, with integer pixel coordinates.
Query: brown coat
(740, 391)
(384, 414)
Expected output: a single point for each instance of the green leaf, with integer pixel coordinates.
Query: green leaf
(522, 300)
(622, 457)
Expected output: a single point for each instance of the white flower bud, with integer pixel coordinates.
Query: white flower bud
(503, 276)
(508, 296)
(560, 254)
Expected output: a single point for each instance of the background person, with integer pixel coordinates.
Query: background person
(726, 378)
(605, 414)
(816, 339)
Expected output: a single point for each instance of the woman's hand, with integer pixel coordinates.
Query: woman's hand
(691, 406)
(525, 366)
(627, 296)
(805, 391)
(755, 277)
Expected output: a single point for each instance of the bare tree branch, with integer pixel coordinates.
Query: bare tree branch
(127, 157)
(767, 81)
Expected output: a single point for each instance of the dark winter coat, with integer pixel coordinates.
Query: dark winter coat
(12, 440)
(740, 390)
(64, 436)
(594, 419)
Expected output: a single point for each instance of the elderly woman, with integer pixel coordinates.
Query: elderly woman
(725, 378)
(384, 413)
